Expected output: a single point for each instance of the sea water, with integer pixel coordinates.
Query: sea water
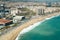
(47, 30)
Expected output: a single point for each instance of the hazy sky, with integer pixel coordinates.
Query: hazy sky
(35, 0)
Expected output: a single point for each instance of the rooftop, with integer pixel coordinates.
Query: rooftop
(3, 21)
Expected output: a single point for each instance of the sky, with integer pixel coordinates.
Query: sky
(34, 0)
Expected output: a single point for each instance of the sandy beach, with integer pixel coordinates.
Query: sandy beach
(14, 33)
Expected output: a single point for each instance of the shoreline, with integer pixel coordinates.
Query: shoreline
(14, 33)
(29, 28)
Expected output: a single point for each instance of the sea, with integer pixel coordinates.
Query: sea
(48, 29)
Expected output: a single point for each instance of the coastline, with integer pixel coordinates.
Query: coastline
(13, 34)
(29, 28)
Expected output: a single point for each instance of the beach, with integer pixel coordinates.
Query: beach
(14, 33)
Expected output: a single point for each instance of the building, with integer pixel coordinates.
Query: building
(4, 10)
(7, 10)
(18, 19)
(14, 11)
(56, 4)
(48, 4)
(4, 22)
(40, 11)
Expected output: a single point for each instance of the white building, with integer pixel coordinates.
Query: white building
(18, 19)
(40, 11)
(14, 11)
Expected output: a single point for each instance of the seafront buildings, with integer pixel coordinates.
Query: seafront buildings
(8, 10)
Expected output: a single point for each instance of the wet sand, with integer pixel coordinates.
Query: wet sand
(14, 33)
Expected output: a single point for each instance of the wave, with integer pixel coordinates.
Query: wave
(29, 28)
(52, 17)
(25, 30)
